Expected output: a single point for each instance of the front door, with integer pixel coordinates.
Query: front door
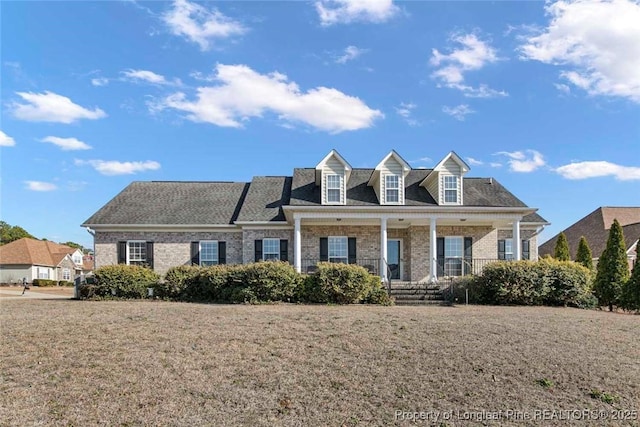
(393, 258)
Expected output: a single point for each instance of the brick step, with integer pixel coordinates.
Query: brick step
(416, 291)
(414, 297)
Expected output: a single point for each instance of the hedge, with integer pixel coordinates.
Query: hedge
(120, 281)
(545, 282)
(44, 282)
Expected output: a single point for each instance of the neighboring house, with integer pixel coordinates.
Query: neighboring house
(38, 259)
(398, 222)
(595, 228)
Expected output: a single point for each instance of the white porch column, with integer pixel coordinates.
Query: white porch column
(297, 245)
(516, 244)
(433, 256)
(383, 248)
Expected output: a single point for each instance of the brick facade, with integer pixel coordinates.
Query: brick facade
(249, 238)
(170, 248)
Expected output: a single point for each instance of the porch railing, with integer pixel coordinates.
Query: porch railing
(455, 267)
(310, 265)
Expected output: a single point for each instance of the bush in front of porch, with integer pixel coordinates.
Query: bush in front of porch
(545, 282)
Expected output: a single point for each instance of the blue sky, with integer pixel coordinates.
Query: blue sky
(545, 97)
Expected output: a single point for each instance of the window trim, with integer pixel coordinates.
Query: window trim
(346, 248)
(396, 189)
(141, 262)
(66, 274)
(449, 257)
(508, 254)
(333, 187)
(445, 189)
(277, 250)
(215, 244)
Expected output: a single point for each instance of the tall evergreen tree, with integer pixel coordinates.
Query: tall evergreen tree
(613, 269)
(583, 256)
(561, 250)
(631, 294)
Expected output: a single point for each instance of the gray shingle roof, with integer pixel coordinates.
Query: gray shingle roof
(266, 196)
(179, 203)
(480, 192)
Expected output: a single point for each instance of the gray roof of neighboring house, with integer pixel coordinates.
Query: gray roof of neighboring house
(168, 203)
(266, 196)
(595, 228)
(481, 192)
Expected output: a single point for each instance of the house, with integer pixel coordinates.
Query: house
(595, 228)
(38, 259)
(400, 223)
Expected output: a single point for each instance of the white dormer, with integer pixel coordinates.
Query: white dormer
(332, 175)
(388, 179)
(445, 182)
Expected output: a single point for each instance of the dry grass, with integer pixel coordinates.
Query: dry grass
(155, 363)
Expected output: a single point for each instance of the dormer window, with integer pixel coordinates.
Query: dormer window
(392, 188)
(450, 189)
(334, 188)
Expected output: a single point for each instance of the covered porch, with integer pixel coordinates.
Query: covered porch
(404, 246)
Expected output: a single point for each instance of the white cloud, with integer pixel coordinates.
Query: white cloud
(474, 162)
(113, 167)
(67, 144)
(40, 186)
(6, 140)
(51, 107)
(199, 24)
(243, 93)
(405, 110)
(458, 112)
(596, 42)
(563, 88)
(524, 161)
(473, 55)
(584, 170)
(495, 165)
(100, 81)
(350, 53)
(148, 77)
(347, 11)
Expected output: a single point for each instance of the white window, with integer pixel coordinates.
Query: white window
(77, 259)
(270, 249)
(453, 254)
(450, 189)
(508, 249)
(66, 274)
(43, 273)
(392, 188)
(209, 252)
(338, 249)
(136, 252)
(334, 188)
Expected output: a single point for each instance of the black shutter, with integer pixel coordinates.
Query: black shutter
(468, 256)
(284, 250)
(352, 250)
(525, 250)
(195, 253)
(222, 252)
(122, 252)
(150, 254)
(324, 249)
(440, 252)
(258, 250)
(501, 249)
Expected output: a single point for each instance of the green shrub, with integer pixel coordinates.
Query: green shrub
(44, 283)
(546, 282)
(270, 281)
(175, 281)
(466, 286)
(209, 284)
(87, 291)
(337, 283)
(124, 281)
(65, 283)
(376, 293)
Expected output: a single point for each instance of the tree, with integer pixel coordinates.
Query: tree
(613, 269)
(561, 251)
(583, 256)
(631, 293)
(73, 245)
(9, 233)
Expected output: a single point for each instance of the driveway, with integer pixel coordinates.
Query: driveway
(29, 294)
